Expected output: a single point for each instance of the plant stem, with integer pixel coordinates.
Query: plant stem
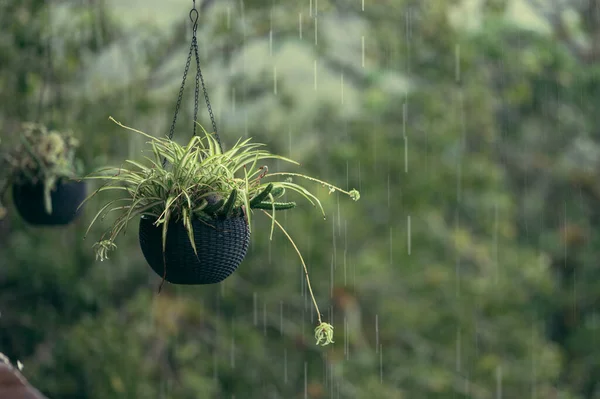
(303, 264)
(130, 128)
(310, 178)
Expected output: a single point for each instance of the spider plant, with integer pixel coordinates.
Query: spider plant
(199, 181)
(41, 156)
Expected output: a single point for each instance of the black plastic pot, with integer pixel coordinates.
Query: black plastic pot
(221, 247)
(66, 198)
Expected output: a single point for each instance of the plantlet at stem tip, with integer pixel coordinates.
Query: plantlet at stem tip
(324, 332)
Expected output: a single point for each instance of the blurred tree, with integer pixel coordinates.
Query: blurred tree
(546, 100)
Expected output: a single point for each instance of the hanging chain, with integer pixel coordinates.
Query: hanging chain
(199, 79)
(185, 72)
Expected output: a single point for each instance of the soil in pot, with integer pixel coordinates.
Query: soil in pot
(66, 198)
(221, 246)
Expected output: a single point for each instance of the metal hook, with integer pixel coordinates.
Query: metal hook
(194, 16)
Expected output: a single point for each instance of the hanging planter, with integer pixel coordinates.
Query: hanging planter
(41, 171)
(196, 209)
(65, 198)
(221, 246)
(196, 201)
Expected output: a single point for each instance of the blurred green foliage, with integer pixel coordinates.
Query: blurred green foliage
(467, 270)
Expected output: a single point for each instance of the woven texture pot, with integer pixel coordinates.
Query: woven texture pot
(221, 247)
(66, 197)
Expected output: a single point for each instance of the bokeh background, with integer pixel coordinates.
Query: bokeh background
(468, 269)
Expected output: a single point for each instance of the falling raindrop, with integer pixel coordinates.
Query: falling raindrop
(306, 375)
(353, 274)
(533, 362)
(498, 382)
(255, 308)
(342, 88)
(380, 364)
(281, 317)
(300, 25)
(304, 318)
(339, 216)
(362, 44)
(408, 236)
(265, 318)
(289, 141)
(334, 243)
(331, 267)
(404, 114)
(233, 100)
(215, 364)
(457, 62)
(315, 73)
(243, 18)
(359, 178)
(389, 192)
(457, 269)
(346, 339)
(285, 366)
(408, 36)
(495, 242)
(316, 31)
(458, 350)
(331, 314)
(391, 247)
(271, 33)
(345, 252)
(376, 333)
(232, 354)
(326, 370)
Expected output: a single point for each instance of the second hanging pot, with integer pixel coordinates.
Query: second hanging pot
(221, 246)
(65, 198)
